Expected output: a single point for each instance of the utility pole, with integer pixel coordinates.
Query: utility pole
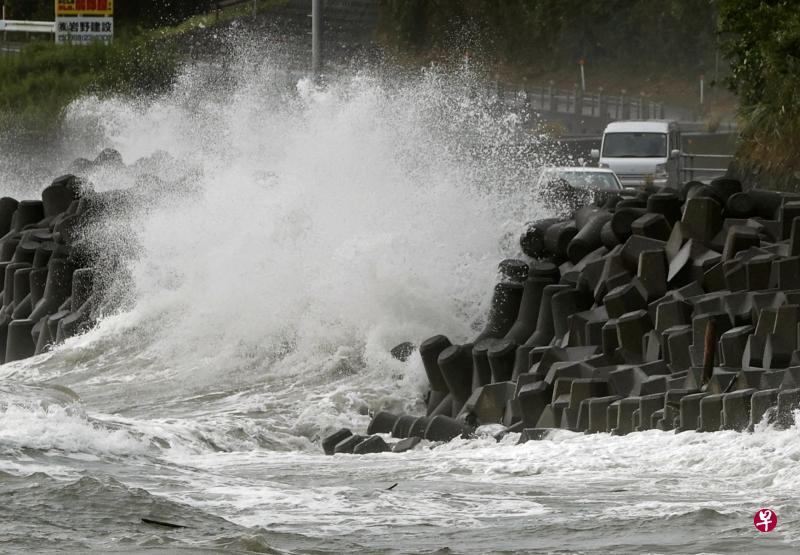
(316, 36)
(255, 8)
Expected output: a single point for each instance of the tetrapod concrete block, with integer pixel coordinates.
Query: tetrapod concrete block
(652, 226)
(763, 404)
(702, 218)
(736, 409)
(626, 407)
(711, 413)
(443, 428)
(649, 404)
(382, 423)
(788, 403)
(690, 412)
(598, 417)
(371, 445)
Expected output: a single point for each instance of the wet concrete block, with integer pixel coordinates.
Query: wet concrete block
(714, 278)
(648, 405)
(588, 238)
(610, 341)
(501, 356)
(739, 238)
(550, 418)
(19, 341)
(778, 351)
(652, 226)
(330, 442)
(631, 327)
(679, 340)
(402, 426)
(544, 324)
(504, 310)
(28, 213)
(534, 434)
(531, 400)
(623, 219)
(787, 272)
(732, 344)
(772, 379)
(419, 426)
(667, 204)
(455, 363)
(608, 237)
(788, 403)
(406, 444)
(443, 428)
(532, 239)
(564, 304)
(690, 412)
(598, 417)
(429, 351)
(382, 423)
(766, 322)
(763, 404)
(753, 356)
(652, 273)
(371, 445)
(584, 388)
(679, 265)
(481, 369)
(558, 237)
(748, 378)
(788, 212)
(711, 413)
(758, 271)
(625, 409)
(791, 378)
(634, 246)
(623, 299)
(736, 409)
(491, 402)
(347, 445)
(735, 275)
(673, 313)
(702, 218)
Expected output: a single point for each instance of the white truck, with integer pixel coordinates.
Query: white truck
(642, 152)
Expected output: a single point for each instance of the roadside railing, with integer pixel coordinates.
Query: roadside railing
(577, 102)
(689, 170)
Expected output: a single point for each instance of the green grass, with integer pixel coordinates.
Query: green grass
(38, 83)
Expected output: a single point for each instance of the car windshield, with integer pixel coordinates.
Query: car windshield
(635, 145)
(596, 181)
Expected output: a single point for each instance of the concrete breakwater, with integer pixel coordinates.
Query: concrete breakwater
(670, 310)
(48, 285)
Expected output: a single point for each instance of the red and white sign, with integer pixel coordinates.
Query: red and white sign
(765, 520)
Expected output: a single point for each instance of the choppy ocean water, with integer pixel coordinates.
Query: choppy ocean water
(297, 234)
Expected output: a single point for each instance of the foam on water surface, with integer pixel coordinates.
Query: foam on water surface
(290, 238)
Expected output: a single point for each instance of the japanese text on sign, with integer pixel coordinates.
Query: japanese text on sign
(84, 30)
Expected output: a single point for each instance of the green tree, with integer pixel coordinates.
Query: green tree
(761, 40)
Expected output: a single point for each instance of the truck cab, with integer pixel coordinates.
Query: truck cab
(641, 152)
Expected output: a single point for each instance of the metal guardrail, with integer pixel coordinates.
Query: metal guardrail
(14, 26)
(575, 101)
(688, 171)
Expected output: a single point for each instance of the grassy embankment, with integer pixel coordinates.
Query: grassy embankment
(38, 83)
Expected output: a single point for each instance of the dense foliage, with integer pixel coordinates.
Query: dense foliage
(547, 33)
(761, 40)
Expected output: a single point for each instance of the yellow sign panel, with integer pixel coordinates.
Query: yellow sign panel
(84, 7)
